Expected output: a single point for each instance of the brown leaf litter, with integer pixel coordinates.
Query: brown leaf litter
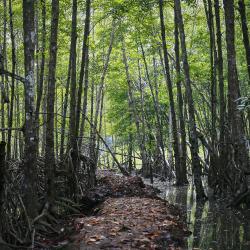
(130, 216)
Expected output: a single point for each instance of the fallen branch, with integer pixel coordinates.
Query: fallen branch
(122, 169)
(8, 129)
(15, 76)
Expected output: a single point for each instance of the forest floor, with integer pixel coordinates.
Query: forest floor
(127, 214)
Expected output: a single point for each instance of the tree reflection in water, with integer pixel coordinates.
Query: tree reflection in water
(214, 226)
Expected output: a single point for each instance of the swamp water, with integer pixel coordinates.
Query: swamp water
(213, 225)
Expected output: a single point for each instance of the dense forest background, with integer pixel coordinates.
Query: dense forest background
(158, 88)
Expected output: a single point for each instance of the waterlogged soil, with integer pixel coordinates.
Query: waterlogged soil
(213, 224)
(129, 215)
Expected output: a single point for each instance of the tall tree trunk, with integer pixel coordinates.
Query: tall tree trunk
(19, 122)
(220, 74)
(72, 132)
(235, 120)
(244, 27)
(157, 112)
(2, 182)
(183, 153)
(193, 138)
(99, 131)
(132, 106)
(92, 132)
(65, 107)
(99, 92)
(4, 60)
(130, 151)
(44, 121)
(142, 132)
(84, 52)
(30, 182)
(213, 61)
(179, 180)
(50, 127)
(85, 98)
(41, 75)
(13, 61)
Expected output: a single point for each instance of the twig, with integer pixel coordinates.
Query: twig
(44, 212)
(25, 212)
(7, 129)
(15, 76)
(123, 170)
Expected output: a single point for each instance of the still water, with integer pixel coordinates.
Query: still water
(213, 225)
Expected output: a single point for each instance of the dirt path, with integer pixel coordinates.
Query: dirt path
(128, 215)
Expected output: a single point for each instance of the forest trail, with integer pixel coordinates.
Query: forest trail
(154, 87)
(126, 214)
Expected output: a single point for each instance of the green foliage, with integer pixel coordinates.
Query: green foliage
(137, 21)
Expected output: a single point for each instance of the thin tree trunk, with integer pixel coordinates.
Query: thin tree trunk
(131, 105)
(130, 152)
(56, 124)
(91, 135)
(13, 61)
(93, 177)
(99, 92)
(192, 123)
(157, 112)
(50, 127)
(18, 119)
(213, 62)
(84, 52)
(85, 99)
(72, 129)
(123, 171)
(4, 59)
(30, 176)
(2, 182)
(41, 75)
(183, 153)
(244, 27)
(171, 98)
(142, 133)
(65, 107)
(220, 74)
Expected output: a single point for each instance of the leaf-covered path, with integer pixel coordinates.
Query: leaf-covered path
(130, 219)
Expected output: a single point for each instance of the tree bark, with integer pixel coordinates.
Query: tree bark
(213, 89)
(179, 180)
(2, 180)
(142, 131)
(41, 75)
(50, 127)
(84, 52)
(13, 62)
(183, 152)
(194, 148)
(157, 112)
(85, 98)
(65, 107)
(220, 73)
(72, 126)
(244, 27)
(99, 93)
(30, 182)
(4, 65)
(235, 119)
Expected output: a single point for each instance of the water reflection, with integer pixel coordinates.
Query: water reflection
(213, 225)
